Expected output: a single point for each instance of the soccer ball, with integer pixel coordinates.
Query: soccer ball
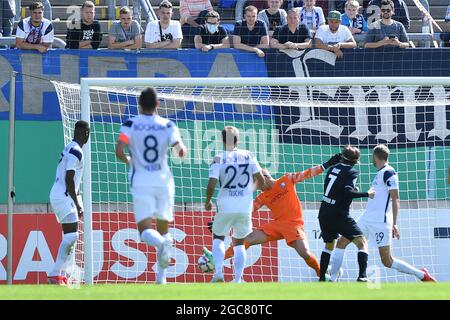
(204, 264)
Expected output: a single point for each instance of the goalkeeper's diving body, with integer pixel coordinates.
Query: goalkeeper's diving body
(281, 198)
(148, 137)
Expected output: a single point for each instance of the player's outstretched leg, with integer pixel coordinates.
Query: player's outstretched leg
(218, 255)
(363, 257)
(65, 251)
(302, 248)
(402, 266)
(230, 251)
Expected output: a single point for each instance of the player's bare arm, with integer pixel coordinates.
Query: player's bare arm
(120, 152)
(180, 149)
(70, 184)
(260, 180)
(395, 208)
(209, 193)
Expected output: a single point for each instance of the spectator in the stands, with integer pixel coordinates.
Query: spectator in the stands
(311, 16)
(386, 32)
(7, 12)
(273, 16)
(126, 33)
(289, 4)
(48, 13)
(165, 33)
(334, 36)
(401, 14)
(35, 32)
(240, 4)
(84, 34)
(251, 34)
(193, 15)
(291, 35)
(352, 19)
(211, 35)
(124, 3)
(191, 12)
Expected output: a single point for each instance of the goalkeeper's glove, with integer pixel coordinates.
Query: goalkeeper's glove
(210, 225)
(332, 161)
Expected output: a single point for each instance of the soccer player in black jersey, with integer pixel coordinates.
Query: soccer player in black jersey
(334, 217)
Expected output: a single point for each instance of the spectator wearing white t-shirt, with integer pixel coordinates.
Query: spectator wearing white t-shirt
(165, 33)
(334, 36)
(35, 32)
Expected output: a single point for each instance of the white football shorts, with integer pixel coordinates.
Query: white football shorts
(153, 202)
(241, 223)
(378, 232)
(65, 209)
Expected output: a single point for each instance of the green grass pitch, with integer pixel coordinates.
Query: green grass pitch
(224, 291)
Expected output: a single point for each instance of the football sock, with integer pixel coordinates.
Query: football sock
(405, 267)
(336, 262)
(152, 238)
(218, 251)
(362, 262)
(324, 261)
(240, 256)
(161, 274)
(64, 252)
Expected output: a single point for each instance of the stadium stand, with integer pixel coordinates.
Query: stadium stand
(61, 14)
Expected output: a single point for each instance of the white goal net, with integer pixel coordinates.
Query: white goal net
(290, 125)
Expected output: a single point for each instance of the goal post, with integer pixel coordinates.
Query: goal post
(291, 124)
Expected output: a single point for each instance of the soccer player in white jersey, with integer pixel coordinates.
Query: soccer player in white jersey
(65, 201)
(235, 169)
(379, 221)
(148, 138)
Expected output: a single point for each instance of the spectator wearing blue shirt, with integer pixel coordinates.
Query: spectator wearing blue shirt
(251, 34)
(352, 19)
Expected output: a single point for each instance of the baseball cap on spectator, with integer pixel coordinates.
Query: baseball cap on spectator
(334, 15)
(447, 16)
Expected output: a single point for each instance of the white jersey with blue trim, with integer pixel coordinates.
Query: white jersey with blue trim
(71, 159)
(149, 139)
(234, 170)
(379, 208)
